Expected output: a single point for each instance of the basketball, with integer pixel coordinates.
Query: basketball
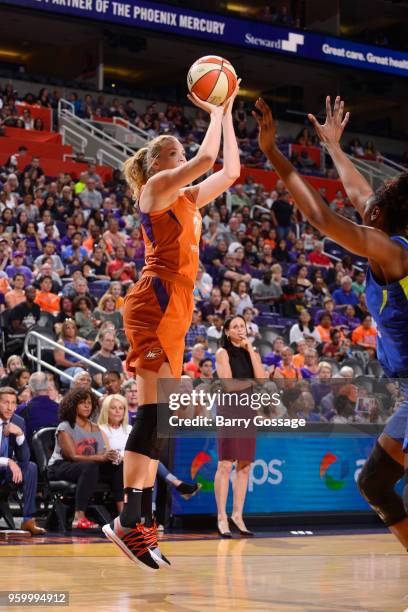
(212, 79)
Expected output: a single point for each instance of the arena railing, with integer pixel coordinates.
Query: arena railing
(41, 343)
(391, 164)
(376, 172)
(97, 139)
(103, 156)
(123, 131)
(83, 142)
(72, 156)
(68, 113)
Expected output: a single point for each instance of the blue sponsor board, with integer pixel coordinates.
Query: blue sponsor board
(291, 473)
(230, 30)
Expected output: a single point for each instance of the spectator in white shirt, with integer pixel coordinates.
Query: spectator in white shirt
(114, 422)
(303, 328)
(252, 328)
(244, 301)
(215, 330)
(203, 284)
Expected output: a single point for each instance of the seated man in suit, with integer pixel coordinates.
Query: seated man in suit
(40, 411)
(15, 464)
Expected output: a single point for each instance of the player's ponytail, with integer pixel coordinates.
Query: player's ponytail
(135, 170)
(139, 168)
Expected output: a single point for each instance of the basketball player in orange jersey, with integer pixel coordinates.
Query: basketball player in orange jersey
(158, 310)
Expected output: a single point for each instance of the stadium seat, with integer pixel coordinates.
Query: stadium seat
(366, 382)
(263, 347)
(57, 492)
(333, 362)
(355, 364)
(360, 353)
(268, 334)
(286, 321)
(374, 368)
(5, 510)
(266, 319)
(261, 307)
(62, 227)
(98, 288)
(257, 273)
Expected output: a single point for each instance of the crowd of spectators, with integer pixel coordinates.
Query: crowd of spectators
(189, 128)
(71, 249)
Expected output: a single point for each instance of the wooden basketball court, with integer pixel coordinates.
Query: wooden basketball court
(367, 572)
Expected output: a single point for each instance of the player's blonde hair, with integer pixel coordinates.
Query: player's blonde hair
(138, 168)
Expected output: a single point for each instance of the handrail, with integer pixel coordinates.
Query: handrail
(101, 154)
(131, 127)
(261, 208)
(94, 131)
(392, 163)
(62, 102)
(73, 156)
(366, 164)
(65, 349)
(39, 361)
(133, 138)
(83, 141)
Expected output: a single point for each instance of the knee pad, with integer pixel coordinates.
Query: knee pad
(376, 482)
(143, 437)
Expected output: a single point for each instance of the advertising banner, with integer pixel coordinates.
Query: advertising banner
(291, 473)
(230, 30)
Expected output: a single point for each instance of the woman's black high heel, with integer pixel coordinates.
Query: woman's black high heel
(244, 532)
(224, 534)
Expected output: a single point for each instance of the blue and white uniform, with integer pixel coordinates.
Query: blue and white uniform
(388, 305)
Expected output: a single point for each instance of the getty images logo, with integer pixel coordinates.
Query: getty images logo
(292, 43)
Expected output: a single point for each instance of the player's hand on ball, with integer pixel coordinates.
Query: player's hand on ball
(211, 109)
(266, 124)
(229, 103)
(332, 129)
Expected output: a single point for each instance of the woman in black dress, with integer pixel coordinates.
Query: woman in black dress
(236, 359)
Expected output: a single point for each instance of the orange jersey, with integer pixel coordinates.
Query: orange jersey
(172, 237)
(47, 301)
(364, 336)
(298, 360)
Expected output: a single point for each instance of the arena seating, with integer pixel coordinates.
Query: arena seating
(48, 146)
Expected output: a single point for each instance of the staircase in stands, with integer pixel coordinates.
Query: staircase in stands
(109, 141)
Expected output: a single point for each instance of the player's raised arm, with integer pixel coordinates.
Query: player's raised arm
(166, 182)
(363, 240)
(357, 188)
(217, 183)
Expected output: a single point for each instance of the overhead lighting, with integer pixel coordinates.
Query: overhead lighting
(14, 54)
(126, 73)
(241, 8)
(249, 93)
